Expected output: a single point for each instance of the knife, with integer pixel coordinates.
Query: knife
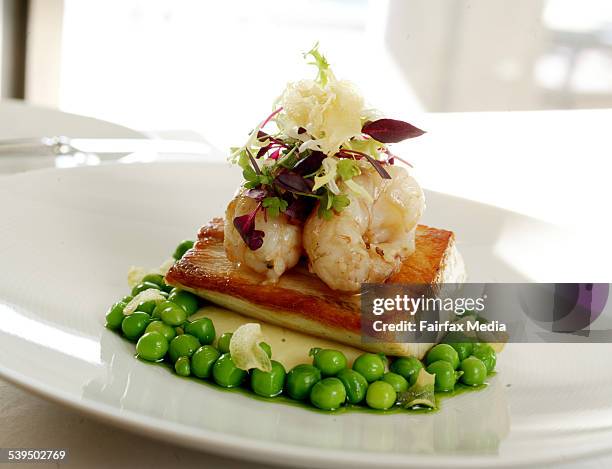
(117, 147)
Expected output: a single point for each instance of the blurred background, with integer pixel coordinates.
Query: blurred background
(215, 67)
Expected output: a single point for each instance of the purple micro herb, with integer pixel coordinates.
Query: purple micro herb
(245, 225)
(391, 130)
(293, 182)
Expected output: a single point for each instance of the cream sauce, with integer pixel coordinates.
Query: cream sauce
(288, 347)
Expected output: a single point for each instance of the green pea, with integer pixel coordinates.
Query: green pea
(268, 384)
(384, 359)
(355, 385)
(300, 381)
(164, 329)
(408, 367)
(202, 361)
(461, 343)
(464, 349)
(203, 329)
(226, 373)
(370, 366)
(445, 375)
(183, 346)
(156, 314)
(157, 279)
(443, 352)
(474, 371)
(398, 382)
(182, 248)
(266, 348)
(485, 353)
(182, 366)
(144, 286)
(114, 315)
(152, 346)
(147, 307)
(380, 395)
(224, 341)
(328, 394)
(330, 362)
(134, 325)
(187, 301)
(126, 299)
(172, 314)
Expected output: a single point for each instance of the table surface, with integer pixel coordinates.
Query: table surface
(553, 165)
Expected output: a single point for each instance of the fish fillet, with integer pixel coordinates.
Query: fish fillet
(302, 302)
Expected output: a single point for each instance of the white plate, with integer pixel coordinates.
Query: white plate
(67, 238)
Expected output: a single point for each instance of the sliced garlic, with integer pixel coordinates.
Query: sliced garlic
(245, 349)
(152, 294)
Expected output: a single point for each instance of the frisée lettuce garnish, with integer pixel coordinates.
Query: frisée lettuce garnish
(310, 148)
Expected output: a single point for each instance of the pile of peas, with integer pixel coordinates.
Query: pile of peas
(163, 333)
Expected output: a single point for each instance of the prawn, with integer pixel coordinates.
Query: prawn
(367, 241)
(282, 243)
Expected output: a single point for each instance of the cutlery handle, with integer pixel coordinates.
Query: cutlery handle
(45, 146)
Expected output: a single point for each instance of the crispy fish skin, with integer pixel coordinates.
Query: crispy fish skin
(300, 301)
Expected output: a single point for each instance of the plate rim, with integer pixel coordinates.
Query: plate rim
(248, 449)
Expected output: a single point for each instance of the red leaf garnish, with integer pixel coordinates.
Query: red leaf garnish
(293, 182)
(391, 130)
(299, 208)
(261, 136)
(309, 164)
(263, 150)
(245, 225)
(253, 162)
(275, 154)
(378, 167)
